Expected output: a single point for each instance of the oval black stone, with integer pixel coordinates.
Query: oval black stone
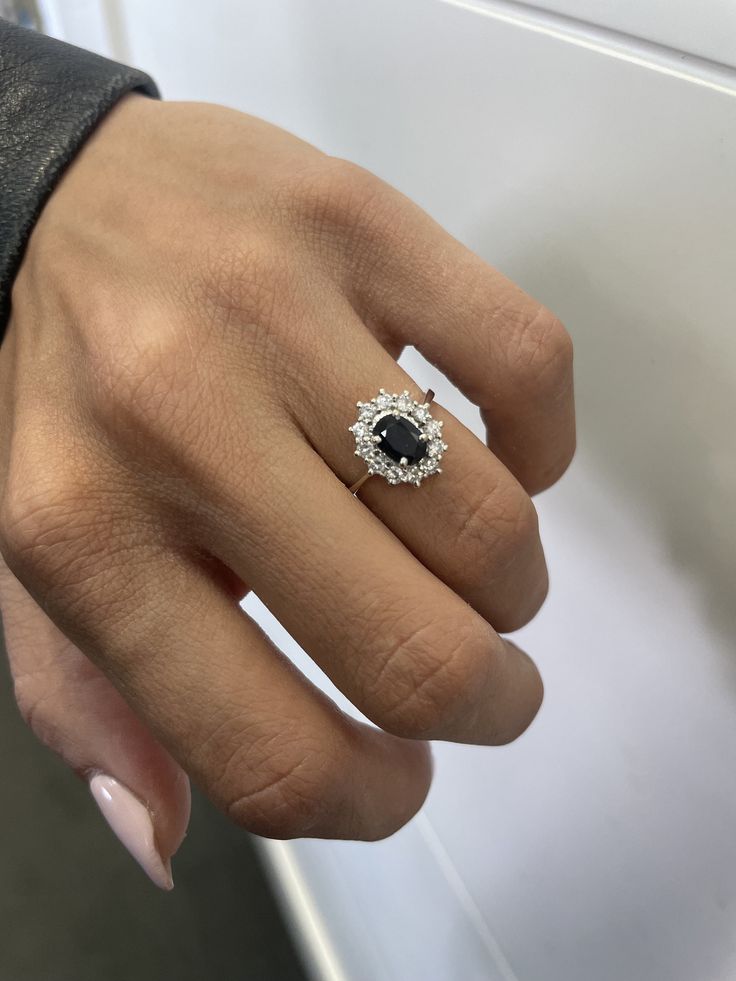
(400, 439)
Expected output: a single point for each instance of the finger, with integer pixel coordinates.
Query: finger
(76, 711)
(473, 525)
(503, 349)
(407, 650)
(263, 743)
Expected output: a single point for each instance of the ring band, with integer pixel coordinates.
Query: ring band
(398, 439)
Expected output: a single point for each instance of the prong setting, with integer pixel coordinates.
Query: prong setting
(405, 451)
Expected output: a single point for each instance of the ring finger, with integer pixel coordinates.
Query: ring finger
(473, 525)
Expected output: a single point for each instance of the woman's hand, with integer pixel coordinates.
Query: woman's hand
(203, 301)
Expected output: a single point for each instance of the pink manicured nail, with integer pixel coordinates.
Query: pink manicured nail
(131, 821)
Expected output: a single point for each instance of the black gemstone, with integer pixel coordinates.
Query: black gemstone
(400, 439)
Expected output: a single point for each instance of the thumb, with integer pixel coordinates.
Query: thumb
(73, 708)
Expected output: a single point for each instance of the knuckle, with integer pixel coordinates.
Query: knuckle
(495, 524)
(427, 679)
(292, 806)
(278, 787)
(50, 689)
(500, 557)
(136, 380)
(555, 467)
(39, 513)
(337, 198)
(67, 547)
(34, 701)
(544, 353)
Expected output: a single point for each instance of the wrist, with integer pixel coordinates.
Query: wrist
(52, 96)
(98, 185)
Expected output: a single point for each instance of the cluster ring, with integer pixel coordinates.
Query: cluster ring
(398, 438)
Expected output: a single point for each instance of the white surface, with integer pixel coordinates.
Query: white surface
(601, 846)
(86, 23)
(706, 28)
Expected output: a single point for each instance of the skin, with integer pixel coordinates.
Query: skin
(202, 302)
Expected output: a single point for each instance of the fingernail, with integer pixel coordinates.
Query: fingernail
(131, 821)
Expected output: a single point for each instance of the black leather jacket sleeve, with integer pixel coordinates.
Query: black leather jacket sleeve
(52, 95)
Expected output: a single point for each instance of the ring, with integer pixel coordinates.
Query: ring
(398, 439)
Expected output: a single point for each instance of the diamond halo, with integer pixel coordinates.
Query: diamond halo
(414, 424)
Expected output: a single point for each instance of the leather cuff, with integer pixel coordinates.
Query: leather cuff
(52, 95)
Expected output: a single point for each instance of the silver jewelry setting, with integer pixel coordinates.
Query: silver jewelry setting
(416, 414)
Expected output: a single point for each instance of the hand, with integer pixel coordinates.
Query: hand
(202, 302)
